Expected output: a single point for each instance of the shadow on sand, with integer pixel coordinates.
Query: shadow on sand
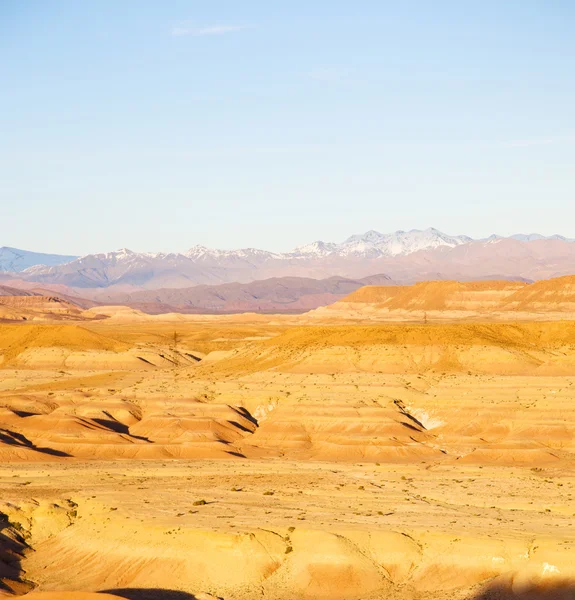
(12, 547)
(12, 438)
(150, 594)
(551, 590)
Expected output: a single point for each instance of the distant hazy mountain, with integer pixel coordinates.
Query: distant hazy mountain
(201, 265)
(278, 294)
(531, 237)
(405, 256)
(136, 270)
(6, 290)
(367, 245)
(398, 243)
(13, 260)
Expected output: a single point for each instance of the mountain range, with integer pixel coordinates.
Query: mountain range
(14, 260)
(402, 257)
(277, 294)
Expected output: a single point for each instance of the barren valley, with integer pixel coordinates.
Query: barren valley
(416, 443)
(287, 300)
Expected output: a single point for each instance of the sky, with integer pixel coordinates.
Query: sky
(160, 125)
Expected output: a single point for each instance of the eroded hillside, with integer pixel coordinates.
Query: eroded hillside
(269, 458)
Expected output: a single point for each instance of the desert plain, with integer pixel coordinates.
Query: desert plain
(404, 447)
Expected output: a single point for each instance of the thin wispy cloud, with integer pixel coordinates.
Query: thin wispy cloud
(182, 30)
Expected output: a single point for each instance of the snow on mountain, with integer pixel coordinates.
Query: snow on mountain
(400, 242)
(359, 255)
(102, 270)
(373, 244)
(532, 237)
(204, 265)
(13, 260)
(314, 249)
(201, 253)
(526, 237)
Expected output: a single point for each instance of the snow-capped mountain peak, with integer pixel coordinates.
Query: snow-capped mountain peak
(203, 253)
(369, 252)
(532, 237)
(400, 242)
(197, 251)
(317, 248)
(369, 237)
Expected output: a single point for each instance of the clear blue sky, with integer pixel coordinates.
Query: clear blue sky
(160, 125)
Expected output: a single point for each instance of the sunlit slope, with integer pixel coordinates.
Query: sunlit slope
(40, 427)
(286, 530)
(520, 348)
(38, 309)
(479, 392)
(438, 295)
(544, 296)
(453, 300)
(74, 346)
(492, 393)
(69, 596)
